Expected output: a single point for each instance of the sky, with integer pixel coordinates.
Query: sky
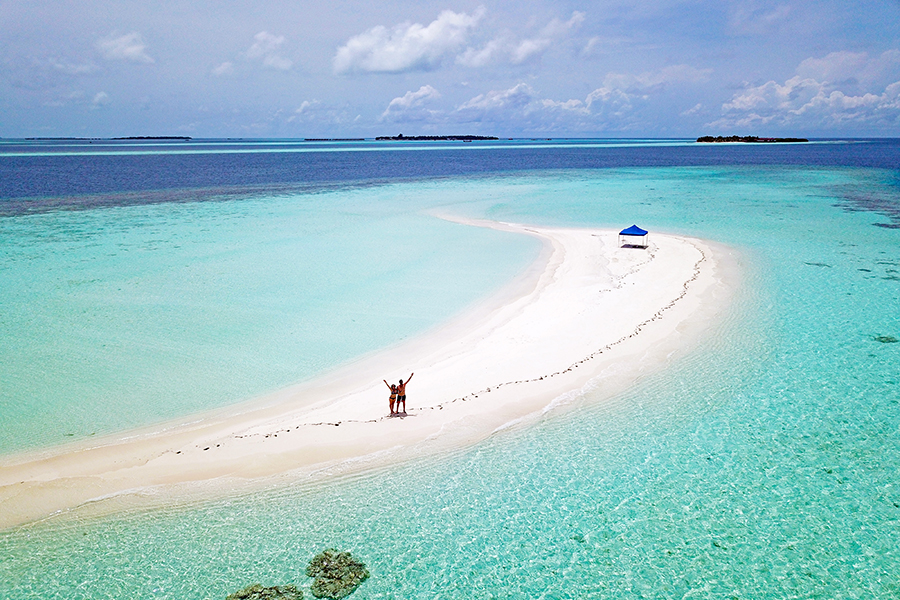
(523, 68)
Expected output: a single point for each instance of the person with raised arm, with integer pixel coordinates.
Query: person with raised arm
(393, 398)
(401, 394)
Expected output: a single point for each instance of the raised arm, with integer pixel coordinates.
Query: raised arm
(386, 383)
(410, 377)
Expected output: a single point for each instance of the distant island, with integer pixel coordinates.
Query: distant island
(97, 139)
(434, 138)
(748, 139)
(154, 137)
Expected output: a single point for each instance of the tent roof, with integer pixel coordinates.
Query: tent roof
(633, 230)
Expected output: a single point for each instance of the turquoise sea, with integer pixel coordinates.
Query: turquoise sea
(146, 282)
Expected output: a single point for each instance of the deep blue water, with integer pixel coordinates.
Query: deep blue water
(77, 174)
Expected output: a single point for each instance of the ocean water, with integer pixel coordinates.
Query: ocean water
(125, 316)
(763, 465)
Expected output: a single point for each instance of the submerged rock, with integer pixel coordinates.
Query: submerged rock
(886, 339)
(256, 591)
(337, 574)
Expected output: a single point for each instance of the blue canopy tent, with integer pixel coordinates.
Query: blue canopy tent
(633, 237)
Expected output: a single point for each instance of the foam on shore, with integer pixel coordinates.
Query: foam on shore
(587, 315)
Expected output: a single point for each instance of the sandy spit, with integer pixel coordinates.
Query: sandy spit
(587, 315)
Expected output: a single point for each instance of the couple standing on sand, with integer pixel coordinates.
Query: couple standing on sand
(398, 395)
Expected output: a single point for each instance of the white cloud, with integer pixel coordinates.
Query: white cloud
(749, 17)
(413, 46)
(836, 66)
(265, 43)
(823, 94)
(317, 116)
(417, 98)
(528, 48)
(616, 106)
(692, 111)
(100, 99)
(521, 107)
(592, 45)
(852, 67)
(654, 81)
(557, 28)
(597, 45)
(517, 51)
(609, 102)
(622, 91)
(411, 106)
(129, 47)
(479, 58)
(72, 68)
(518, 97)
(266, 49)
(613, 107)
(277, 62)
(305, 106)
(408, 46)
(567, 105)
(226, 68)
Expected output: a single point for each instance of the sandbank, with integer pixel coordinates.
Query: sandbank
(587, 316)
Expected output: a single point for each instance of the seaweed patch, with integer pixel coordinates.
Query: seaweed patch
(256, 591)
(337, 574)
(882, 201)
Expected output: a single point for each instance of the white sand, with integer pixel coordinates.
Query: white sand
(588, 315)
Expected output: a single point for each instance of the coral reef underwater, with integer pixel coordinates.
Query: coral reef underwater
(337, 574)
(256, 591)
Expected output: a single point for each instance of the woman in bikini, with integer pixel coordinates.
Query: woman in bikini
(393, 389)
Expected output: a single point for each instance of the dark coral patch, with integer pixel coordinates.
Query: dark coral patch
(337, 574)
(256, 591)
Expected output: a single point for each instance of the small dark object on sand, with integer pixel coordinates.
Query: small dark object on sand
(256, 591)
(337, 574)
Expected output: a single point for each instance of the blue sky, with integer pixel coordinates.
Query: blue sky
(664, 68)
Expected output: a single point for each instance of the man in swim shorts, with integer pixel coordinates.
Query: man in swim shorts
(401, 394)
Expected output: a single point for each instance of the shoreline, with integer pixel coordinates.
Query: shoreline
(586, 315)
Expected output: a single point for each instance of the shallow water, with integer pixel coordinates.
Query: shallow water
(126, 316)
(761, 466)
